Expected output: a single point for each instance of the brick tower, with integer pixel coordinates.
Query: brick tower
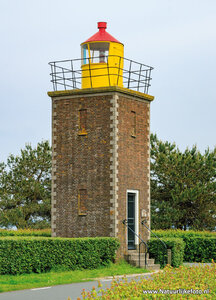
(100, 140)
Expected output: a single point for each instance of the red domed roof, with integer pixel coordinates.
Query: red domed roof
(102, 35)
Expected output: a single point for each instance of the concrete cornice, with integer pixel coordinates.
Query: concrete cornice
(101, 90)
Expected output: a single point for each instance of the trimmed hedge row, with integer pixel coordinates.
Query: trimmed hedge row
(159, 252)
(31, 254)
(200, 246)
(182, 234)
(26, 232)
(200, 249)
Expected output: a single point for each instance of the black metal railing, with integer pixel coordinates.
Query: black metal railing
(165, 246)
(67, 74)
(125, 222)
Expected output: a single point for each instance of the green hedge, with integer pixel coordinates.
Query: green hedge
(34, 254)
(200, 246)
(159, 252)
(182, 234)
(26, 232)
(200, 249)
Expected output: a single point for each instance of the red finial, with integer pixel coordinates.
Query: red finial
(102, 35)
(102, 25)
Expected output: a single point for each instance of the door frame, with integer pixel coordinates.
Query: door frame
(136, 192)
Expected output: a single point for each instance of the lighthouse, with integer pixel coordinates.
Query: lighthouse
(100, 143)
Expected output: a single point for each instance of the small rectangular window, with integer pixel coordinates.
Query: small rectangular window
(133, 123)
(99, 52)
(84, 54)
(82, 201)
(82, 121)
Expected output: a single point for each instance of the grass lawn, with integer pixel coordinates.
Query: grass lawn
(55, 277)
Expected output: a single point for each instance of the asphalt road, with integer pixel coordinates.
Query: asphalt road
(62, 292)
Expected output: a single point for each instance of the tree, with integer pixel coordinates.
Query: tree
(183, 187)
(25, 188)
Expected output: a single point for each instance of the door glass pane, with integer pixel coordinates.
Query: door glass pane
(130, 210)
(131, 220)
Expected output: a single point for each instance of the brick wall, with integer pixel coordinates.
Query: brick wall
(133, 160)
(99, 163)
(81, 162)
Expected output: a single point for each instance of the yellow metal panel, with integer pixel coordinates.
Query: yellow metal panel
(95, 75)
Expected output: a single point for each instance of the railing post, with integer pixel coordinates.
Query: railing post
(165, 246)
(145, 257)
(148, 80)
(52, 74)
(129, 75)
(89, 61)
(63, 74)
(73, 75)
(119, 69)
(56, 86)
(139, 255)
(142, 241)
(169, 256)
(139, 77)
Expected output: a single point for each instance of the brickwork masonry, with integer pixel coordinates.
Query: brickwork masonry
(114, 166)
(107, 161)
(148, 170)
(53, 200)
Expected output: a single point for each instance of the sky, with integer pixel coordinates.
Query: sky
(177, 38)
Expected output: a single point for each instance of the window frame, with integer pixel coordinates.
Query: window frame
(82, 117)
(133, 124)
(81, 211)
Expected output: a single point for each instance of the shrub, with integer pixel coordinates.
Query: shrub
(196, 283)
(200, 246)
(182, 234)
(38, 254)
(200, 249)
(26, 232)
(159, 252)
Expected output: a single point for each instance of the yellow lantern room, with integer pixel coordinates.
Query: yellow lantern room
(102, 64)
(102, 60)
